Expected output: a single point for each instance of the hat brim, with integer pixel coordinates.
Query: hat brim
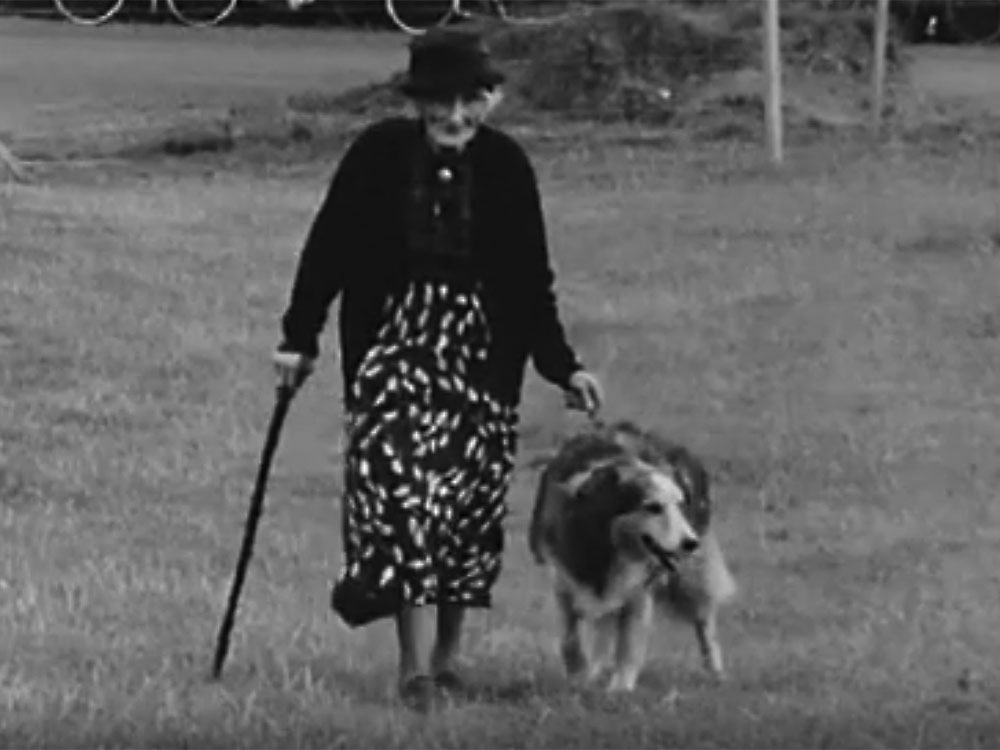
(438, 88)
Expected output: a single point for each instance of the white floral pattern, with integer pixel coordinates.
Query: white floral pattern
(428, 461)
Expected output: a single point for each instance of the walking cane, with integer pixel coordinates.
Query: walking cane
(284, 399)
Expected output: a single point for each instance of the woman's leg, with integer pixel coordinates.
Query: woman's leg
(450, 618)
(471, 550)
(415, 632)
(389, 575)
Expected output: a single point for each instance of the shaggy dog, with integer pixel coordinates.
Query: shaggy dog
(622, 520)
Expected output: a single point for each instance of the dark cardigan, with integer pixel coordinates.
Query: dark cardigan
(356, 247)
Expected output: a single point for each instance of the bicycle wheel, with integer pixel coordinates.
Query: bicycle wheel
(973, 22)
(201, 13)
(89, 12)
(415, 17)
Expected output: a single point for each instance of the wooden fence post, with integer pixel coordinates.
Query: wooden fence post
(772, 72)
(879, 63)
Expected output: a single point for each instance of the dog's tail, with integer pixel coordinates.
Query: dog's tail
(703, 584)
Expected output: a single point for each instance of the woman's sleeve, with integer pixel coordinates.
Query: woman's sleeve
(553, 357)
(325, 259)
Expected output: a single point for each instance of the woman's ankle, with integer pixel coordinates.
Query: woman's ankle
(443, 662)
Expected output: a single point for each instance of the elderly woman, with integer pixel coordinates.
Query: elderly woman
(432, 234)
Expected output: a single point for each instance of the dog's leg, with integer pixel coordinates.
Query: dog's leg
(572, 650)
(708, 641)
(634, 625)
(719, 587)
(695, 596)
(605, 629)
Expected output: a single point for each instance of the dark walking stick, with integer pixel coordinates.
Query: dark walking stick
(285, 393)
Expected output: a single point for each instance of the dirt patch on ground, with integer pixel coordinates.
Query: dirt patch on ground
(691, 67)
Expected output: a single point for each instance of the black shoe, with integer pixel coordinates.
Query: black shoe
(449, 682)
(419, 693)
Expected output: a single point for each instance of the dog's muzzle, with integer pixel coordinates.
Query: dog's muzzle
(667, 559)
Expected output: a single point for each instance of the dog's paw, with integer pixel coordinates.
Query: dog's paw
(713, 667)
(622, 682)
(595, 673)
(716, 677)
(714, 674)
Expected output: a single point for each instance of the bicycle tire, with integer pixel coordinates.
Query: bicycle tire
(111, 9)
(962, 30)
(226, 8)
(453, 9)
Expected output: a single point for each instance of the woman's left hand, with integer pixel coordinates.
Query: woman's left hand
(584, 393)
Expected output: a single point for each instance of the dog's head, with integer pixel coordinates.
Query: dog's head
(644, 509)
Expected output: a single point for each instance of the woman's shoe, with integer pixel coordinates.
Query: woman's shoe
(419, 693)
(449, 682)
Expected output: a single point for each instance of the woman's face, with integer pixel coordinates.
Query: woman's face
(452, 123)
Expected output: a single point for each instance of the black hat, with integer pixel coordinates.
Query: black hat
(449, 62)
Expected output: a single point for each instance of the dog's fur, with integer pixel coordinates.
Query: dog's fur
(622, 518)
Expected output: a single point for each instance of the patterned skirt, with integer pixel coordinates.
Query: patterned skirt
(429, 456)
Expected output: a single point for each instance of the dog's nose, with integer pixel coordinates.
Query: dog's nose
(689, 545)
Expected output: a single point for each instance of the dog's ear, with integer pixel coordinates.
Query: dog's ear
(684, 475)
(693, 479)
(611, 491)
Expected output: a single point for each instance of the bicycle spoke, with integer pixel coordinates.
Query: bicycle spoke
(89, 12)
(201, 12)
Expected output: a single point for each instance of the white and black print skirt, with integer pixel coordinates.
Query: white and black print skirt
(428, 461)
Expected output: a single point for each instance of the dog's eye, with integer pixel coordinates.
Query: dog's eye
(653, 509)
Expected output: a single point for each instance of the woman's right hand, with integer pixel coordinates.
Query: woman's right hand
(292, 369)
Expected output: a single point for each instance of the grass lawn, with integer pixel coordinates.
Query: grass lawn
(827, 339)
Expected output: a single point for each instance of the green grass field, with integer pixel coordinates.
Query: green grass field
(826, 337)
